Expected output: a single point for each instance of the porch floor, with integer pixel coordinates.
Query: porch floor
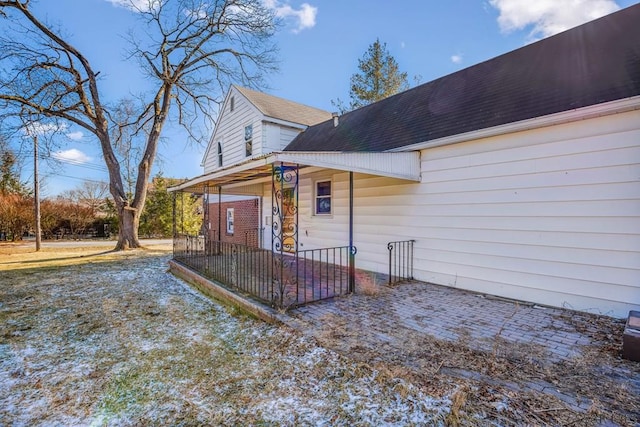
(303, 281)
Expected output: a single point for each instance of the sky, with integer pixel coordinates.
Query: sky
(319, 45)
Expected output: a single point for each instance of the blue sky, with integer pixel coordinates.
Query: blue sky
(320, 45)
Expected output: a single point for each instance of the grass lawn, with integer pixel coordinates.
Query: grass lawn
(92, 337)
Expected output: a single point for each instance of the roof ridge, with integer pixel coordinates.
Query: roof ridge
(252, 94)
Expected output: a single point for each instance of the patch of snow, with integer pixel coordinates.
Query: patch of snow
(128, 334)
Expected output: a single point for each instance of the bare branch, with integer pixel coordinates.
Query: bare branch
(191, 51)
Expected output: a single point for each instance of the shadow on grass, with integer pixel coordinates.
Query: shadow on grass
(61, 260)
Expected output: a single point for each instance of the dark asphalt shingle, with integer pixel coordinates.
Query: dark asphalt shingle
(594, 63)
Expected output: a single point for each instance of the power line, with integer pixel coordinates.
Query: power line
(80, 178)
(72, 162)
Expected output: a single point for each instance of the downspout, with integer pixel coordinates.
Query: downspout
(260, 224)
(219, 213)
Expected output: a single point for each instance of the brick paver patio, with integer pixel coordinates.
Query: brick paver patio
(453, 314)
(387, 321)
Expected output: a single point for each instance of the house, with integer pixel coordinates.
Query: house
(250, 125)
(517, 177)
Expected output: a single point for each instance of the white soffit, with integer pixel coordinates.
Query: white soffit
(406, 166)
(401, 165)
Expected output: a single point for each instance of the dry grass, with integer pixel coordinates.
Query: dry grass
(508, 383)
(367, 283)
(92, 336)
(113, 339)
(22, 255)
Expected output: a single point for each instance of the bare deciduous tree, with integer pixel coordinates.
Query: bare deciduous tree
(190, 50)
(91, 194)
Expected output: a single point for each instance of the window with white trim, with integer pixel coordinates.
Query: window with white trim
(230, 220)
(323, 198)
(248, 140)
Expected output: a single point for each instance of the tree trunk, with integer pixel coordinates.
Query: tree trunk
(128, 221)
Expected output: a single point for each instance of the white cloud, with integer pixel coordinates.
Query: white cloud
(75, 136)
(134, 5)
(548, 17)
(71, 156)
(304, 17)
(456, 59)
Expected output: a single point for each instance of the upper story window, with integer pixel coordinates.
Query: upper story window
(232, 103)
(248, 140)
(323, 198)
(220, 153)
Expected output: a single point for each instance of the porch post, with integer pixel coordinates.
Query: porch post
(206, 224)
(219, 213)
(182, 212)
(352, 254)
(174, 227)
(284, 210)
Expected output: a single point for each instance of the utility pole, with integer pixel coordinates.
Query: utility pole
(36, 191)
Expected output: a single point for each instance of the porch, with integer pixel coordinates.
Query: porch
(274, 268)
(280, 280)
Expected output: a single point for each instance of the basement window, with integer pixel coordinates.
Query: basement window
(323, 198)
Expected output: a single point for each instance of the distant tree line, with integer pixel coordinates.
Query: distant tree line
(87, 211)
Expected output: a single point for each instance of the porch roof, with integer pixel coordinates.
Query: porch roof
(401, 165)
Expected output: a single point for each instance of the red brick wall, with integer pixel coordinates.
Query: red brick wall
(246, 222)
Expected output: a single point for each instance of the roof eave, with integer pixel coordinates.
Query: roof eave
(405, 166)
(584, 113)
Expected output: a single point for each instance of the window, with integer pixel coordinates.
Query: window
(220, 153)
(323, 198)
(248, 140)
(230, 218)
(232, 103)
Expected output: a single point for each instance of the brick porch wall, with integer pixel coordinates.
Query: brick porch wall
(246, 222)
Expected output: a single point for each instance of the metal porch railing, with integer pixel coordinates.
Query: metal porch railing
(400, 261)
(281, 280)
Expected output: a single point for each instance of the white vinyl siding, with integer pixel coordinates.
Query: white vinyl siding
(230, 129)
(550, 216)
(277, 136)
(286, 135)
(324, 231)
(267, 136)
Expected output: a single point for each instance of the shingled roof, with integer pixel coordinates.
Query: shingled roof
(282, 109)
(594, 63)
